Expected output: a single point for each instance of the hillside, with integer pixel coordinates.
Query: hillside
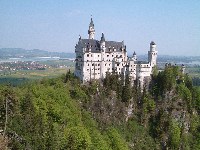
(61, 113)
(19, 52)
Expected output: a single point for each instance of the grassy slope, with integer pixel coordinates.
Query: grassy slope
(20, 77)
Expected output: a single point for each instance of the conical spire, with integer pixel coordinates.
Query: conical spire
(79, 37)
(152, 43)
(91, 30)
(102, 37)
(134, 53)
(91, 23)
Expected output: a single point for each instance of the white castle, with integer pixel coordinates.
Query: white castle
(94, 58)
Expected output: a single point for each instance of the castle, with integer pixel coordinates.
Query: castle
(94, 58)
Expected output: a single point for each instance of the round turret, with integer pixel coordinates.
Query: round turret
(152, 54)
(152, 46)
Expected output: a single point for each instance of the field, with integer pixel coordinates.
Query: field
(193, 71)
(20, 77)
(54, 68)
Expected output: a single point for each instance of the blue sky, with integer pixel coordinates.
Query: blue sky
(55, 25)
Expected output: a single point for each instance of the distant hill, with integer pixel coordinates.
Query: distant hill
(19, 52)
(173, 59)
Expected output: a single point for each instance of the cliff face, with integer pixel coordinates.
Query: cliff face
(64, 114)
(166, 110)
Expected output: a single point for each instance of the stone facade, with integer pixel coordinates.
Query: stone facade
(96, 57)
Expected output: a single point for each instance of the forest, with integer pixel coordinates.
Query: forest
(112, 114)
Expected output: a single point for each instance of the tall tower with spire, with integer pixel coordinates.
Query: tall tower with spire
(91, 30)
(152, 54)
(103, 50)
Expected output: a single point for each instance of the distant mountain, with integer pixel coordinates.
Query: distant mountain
(172, 59)
(20, 52)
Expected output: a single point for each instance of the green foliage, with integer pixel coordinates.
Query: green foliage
(165, 80)
(137, 136)
(196, 98)
(77, 138)
(174, 134)
(116, 142)
(185, 94)
(61, 113)
(188, 82)
(126, 92)
(148, 104)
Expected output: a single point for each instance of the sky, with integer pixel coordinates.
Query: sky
(55, 25)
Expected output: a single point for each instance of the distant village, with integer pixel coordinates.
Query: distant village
(21, 65)
(6, 67)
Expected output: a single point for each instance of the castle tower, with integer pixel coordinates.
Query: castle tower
(103, 49)
(91, 30)
(134, 57)
(152, 54)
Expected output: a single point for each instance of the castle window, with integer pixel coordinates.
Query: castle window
(88, 64)
(92, 64)
(87, 55)
(107, 55)
(91, 55)
(112, 55)
(105, 64)
(117, 64)
(98, 55)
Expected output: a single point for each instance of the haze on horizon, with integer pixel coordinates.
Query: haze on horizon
(56, 25)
